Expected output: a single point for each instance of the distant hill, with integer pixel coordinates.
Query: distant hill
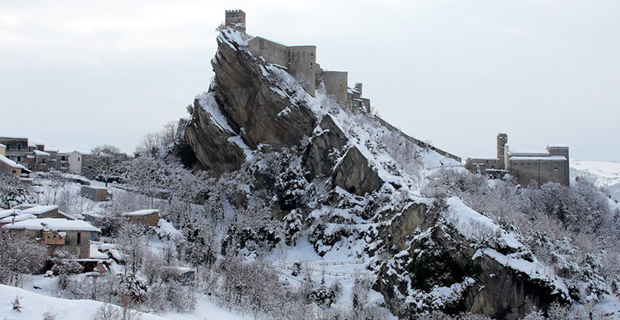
(602, 174)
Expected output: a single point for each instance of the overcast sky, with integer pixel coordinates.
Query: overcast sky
(77, 74)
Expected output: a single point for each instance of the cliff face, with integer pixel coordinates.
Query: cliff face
(248, 107)
(419, 261)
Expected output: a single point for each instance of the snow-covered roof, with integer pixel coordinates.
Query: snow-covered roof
(552, 158)
(39, 210)
(95, 253)
(17, 218)
(53, 224)
(31, 144)
(141, 212)
(528, 153)
(40, 153)
(11, 163)
(557, 145)
(8, 212)
(2, 146)
(13, 136)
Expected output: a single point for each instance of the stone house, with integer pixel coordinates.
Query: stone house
(70, 161)
(149, 217)
(58, 234)
(551, 165)
(40, 161)
(11, 166)
(94, 193)
(16, 148)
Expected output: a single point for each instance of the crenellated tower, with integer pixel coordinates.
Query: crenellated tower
(235, 19)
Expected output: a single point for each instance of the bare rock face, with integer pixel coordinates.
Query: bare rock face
(327, 143)
(257, 111)
(215, 152)
(440, 257)
(355, 175)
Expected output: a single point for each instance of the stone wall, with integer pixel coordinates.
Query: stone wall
(302, 61)
(235, 19)
(76, 242)
(541, 170)
(562, 151)
(272, 52)
(336, 84)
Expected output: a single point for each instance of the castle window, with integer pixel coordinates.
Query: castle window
(79, 237)
(19, 146)
(8, 146)
(19, 158)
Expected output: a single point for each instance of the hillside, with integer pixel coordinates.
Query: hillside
(602, 174)
(360, 192)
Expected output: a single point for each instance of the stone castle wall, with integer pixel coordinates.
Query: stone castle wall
(302, 60)
(336, 84)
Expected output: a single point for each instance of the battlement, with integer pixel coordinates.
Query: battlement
(235, 19)
(301, 63)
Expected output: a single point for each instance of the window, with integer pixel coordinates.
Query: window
(19, 146)
(8, 146)
(78, 159)
(79, 237)
(19, 158)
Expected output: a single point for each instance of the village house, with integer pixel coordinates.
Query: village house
(149, 217)
(94, 193)
(11, 166)
(16, 148)
(72, 236)
(27, 212)
(540, 167)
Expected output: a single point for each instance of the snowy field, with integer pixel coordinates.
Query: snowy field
(36, 303)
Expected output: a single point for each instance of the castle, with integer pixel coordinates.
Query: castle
(300, 62)
(541, 166)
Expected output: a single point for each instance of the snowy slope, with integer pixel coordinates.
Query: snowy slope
(35, 305)
(602, 174)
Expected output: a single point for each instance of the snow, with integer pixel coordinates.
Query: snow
(550, 158)
(606, 172)
(36, 304)
(473, 225)
(39, 210)
(10, 163)
(208, 104)
(166, 229)
(19, 217)
(526, 153)
(41, 153)
(227, 35)
(144, 212)
(53, 224)
(95, 253)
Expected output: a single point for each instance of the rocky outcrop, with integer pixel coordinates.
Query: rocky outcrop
(432, 262)
(355, 175)
(210, 143)
(256, 110)
(327, 143)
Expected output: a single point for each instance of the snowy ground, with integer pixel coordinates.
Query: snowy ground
(36, 302)
(602, 174)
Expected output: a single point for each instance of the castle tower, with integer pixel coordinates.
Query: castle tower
(502, 140)
(235, 19)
